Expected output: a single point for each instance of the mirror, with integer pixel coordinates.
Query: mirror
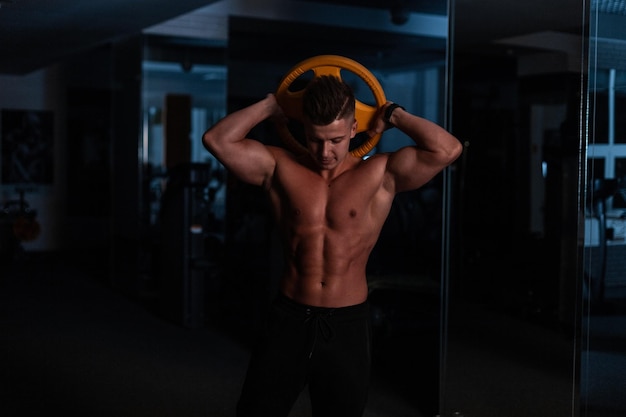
(405, 268)
(509, 292)
(190, 191)
(604, 288)
(512, 301)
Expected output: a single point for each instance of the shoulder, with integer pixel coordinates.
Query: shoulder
(372, 170)
(287, 163)
(375, 162)
(282, 154)
(276, 150)
(377, 166)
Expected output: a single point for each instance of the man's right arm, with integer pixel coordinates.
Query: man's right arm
(248, 159)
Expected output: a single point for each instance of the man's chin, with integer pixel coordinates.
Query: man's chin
(326, 165)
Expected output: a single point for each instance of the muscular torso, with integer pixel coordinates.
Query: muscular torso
(328, 228)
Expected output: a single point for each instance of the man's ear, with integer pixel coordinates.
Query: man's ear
(354, 127)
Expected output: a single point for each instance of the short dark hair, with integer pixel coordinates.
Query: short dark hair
(327, 98)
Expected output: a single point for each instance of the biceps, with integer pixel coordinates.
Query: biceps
(409, 168)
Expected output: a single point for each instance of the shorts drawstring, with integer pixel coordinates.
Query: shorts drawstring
(320, 325)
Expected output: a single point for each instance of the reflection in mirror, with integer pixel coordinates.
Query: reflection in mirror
(404, 268)
(603, 359)
(240, 241)
(140, 314)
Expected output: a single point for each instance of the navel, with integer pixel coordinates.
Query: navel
(353, 213)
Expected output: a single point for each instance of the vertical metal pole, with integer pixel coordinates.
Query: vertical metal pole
(609, 166)
(611, 94)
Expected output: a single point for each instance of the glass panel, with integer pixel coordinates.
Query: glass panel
(599, 102)
(604, 355)
(620, 109)
(405, 267)
(619, 199)
(133, 121)
(512, 296)
(595, 168)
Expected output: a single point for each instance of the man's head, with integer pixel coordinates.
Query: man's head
(326, 99)
(328, 106)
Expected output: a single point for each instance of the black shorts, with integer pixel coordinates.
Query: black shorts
(327, 348)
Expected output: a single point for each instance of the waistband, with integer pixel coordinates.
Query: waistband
(356, 311)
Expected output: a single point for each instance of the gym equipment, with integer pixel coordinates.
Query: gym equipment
(18, 223)
(601, 190)
(291, 101)
(184, 267)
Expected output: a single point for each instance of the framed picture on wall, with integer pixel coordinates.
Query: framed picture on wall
(26, 146)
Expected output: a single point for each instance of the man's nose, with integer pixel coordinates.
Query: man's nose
(324, 148)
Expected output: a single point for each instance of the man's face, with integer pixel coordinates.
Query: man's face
(329, 144)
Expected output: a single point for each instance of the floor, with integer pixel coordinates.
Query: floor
(73, 347)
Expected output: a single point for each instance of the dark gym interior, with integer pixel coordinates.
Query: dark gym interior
(134, 270)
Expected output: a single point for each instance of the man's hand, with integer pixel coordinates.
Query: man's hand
(278, 115)
(378, 124)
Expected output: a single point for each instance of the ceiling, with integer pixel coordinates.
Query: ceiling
(36, 33)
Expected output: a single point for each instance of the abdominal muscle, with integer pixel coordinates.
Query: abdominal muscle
(328, 227)
(326, 268)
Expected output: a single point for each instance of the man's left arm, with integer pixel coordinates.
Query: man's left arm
(413, 166)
